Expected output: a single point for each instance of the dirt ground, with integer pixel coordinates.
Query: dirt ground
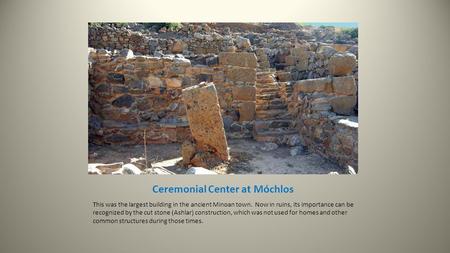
(247, 157)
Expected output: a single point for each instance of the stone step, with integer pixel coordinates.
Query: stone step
(261, 125)
(265, 73)
(274, 136)
(267, 89)
(268, 92)
(275, 101)
(267, 85)
(265, 77)
(270, 107)
(272, 114)
(267, 96)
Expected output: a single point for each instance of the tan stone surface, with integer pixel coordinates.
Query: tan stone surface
(297, 51)
(173, 83)
(341, 47)
(205, 120)
(342, 64)
(244, 93)
(313, 85)
(344, 85)
(178, 47)
(247, 111)
(242, 59)
(302, 61)
(187, 151)
(240, 74)
(290, 60)
(284, 76)
(343, 104)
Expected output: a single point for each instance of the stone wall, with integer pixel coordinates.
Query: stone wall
(325, 113)
(116, 38)
(256, 75)
(129, 94)
(290, 52)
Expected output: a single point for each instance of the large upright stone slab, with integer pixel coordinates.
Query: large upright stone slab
(205, 119)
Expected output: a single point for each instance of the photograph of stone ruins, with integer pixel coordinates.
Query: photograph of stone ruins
(223, 98)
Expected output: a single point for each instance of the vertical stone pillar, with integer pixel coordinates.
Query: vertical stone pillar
(205, 120)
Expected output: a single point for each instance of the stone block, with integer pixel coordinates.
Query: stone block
(205, 120)
(326, 51)
(284, 76)
(241, 74)
(302, 61)
(123, 101)
(187, 152)
(178, 47)
(298, 51)
(343, 104)
(244, 93)
(344, 85)
(342, 64)
(243, 43)
(290, 60)
(341, 47)
(173, 83)
(247, 111)
(313, 85)
(154, 82)
(116, 78)
(320, 104)
(242, 59)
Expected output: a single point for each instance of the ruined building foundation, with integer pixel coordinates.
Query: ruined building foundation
(287, 88)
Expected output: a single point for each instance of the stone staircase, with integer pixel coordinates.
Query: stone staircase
(273, 122)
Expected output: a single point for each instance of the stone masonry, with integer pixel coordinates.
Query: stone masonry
(276, 83)
(205, 119)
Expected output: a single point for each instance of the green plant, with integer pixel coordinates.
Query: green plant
(168, 26)
(352, 32)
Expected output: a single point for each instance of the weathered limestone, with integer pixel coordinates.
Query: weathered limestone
(187, 152)
(205, 120)
(240, 74)
(343, 104)
(173, 83)
(244, 93)
(313, 85)
(299, 57)
(242, 59)
(178, 46)
(344, 85)
(342, 64)
(247, 111)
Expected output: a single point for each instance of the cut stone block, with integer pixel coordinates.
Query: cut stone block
(241, 74)
(313, 85)
(173, 83)
(244, 93)
(342, 64)
(343, 104)
(187, 152)
(344, 85)
(247, 111)
(205, 119)
(242, 59)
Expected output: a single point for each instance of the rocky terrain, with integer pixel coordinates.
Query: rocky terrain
(200, 87)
